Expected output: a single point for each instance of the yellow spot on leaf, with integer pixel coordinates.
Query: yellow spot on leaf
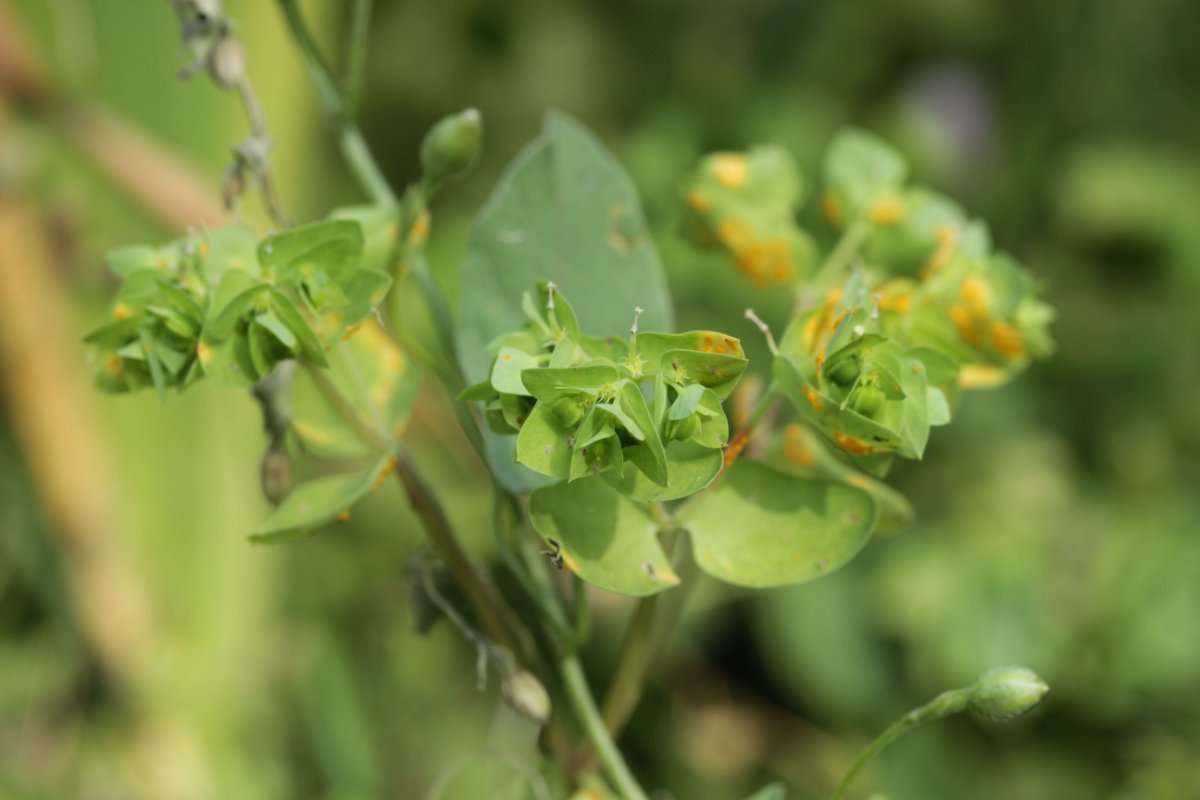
(735, 234)
(859, 481)
(204, 249)
(122, 311)
(1008, 340)
(831, 207)
(343, 516)
(887, 210)
(813, 399)
(796, 447)
(980, 376)
(731, 169)
(852, 445)
(698, 201)
(204, 353)
(420, 227)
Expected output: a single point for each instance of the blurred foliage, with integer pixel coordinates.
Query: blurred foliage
(1056, 519)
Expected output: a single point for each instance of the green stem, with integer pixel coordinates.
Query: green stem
(354, 147)
(584, 705)
(356, 55)
(494, 614)
(636, 649)
(845, 250)
(943, 705)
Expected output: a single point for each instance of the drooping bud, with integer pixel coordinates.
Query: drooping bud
(277, 473)
(451, 147)
(1002, 693)
(526, 695)
(227, 62)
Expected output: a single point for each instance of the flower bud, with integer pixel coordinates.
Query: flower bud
(686, 428)
(1002, 693)
(569, 410)
(526, 695)
(845, 371)
(451, 147)
(868, 400)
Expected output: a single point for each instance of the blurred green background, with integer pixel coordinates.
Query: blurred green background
(148, 651)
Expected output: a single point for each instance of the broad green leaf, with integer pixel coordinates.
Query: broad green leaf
(225, 322)
(380, 231)
(378, 379)
(634, 404)
(321, 501)
(332, 247)
(564, 211)
(604, 538)
(548, 383)
(690, 468)
(762, 527)
(543, 443)
(506, 373)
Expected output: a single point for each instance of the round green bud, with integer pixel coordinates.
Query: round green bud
(569, 410)
(1002, 693)
(526, 695)
(868, 400)
(686, 428)
(845, 371)
(451, 147)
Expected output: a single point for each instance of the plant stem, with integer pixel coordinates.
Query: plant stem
(636, 649)
(580, 697)
(354, 147)
(943, 705)
(493, 612)
(356, 55)
(838, 259)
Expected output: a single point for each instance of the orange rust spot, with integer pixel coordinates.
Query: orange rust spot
(1008, 340)
(796, 447)
(122, 311)
(838, 319)
(114, 364)
(966, 325)
(420, 227)
(831, 207)
(980, 376)
(731, 170)
(820, 362)
(852, 445)
(708, 345)
(735, 234)
(698, 201)
(887, 210)
(733, 346)
(918, 369)
(343, 516)
(736, 446)
(813, 399)
(350, 330)
(975, 293)
(203, 248)
(946, 237)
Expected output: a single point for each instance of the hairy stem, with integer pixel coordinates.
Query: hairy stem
(354, 147)
(584, 705)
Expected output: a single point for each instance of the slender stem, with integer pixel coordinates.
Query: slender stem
(943, 705)
(845, 250)
(493, 613)
(626, 688)
(354, 147)
(356, 55)
(263, 174)
(584, 705)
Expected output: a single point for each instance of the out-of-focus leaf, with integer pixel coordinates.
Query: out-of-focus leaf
(321, 501)
(762, 527)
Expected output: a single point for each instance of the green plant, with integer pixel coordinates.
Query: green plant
(605, 432)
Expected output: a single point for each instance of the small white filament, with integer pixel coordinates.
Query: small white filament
(766, 331)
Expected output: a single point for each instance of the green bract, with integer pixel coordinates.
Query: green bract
(225, 306)
(645, 413)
